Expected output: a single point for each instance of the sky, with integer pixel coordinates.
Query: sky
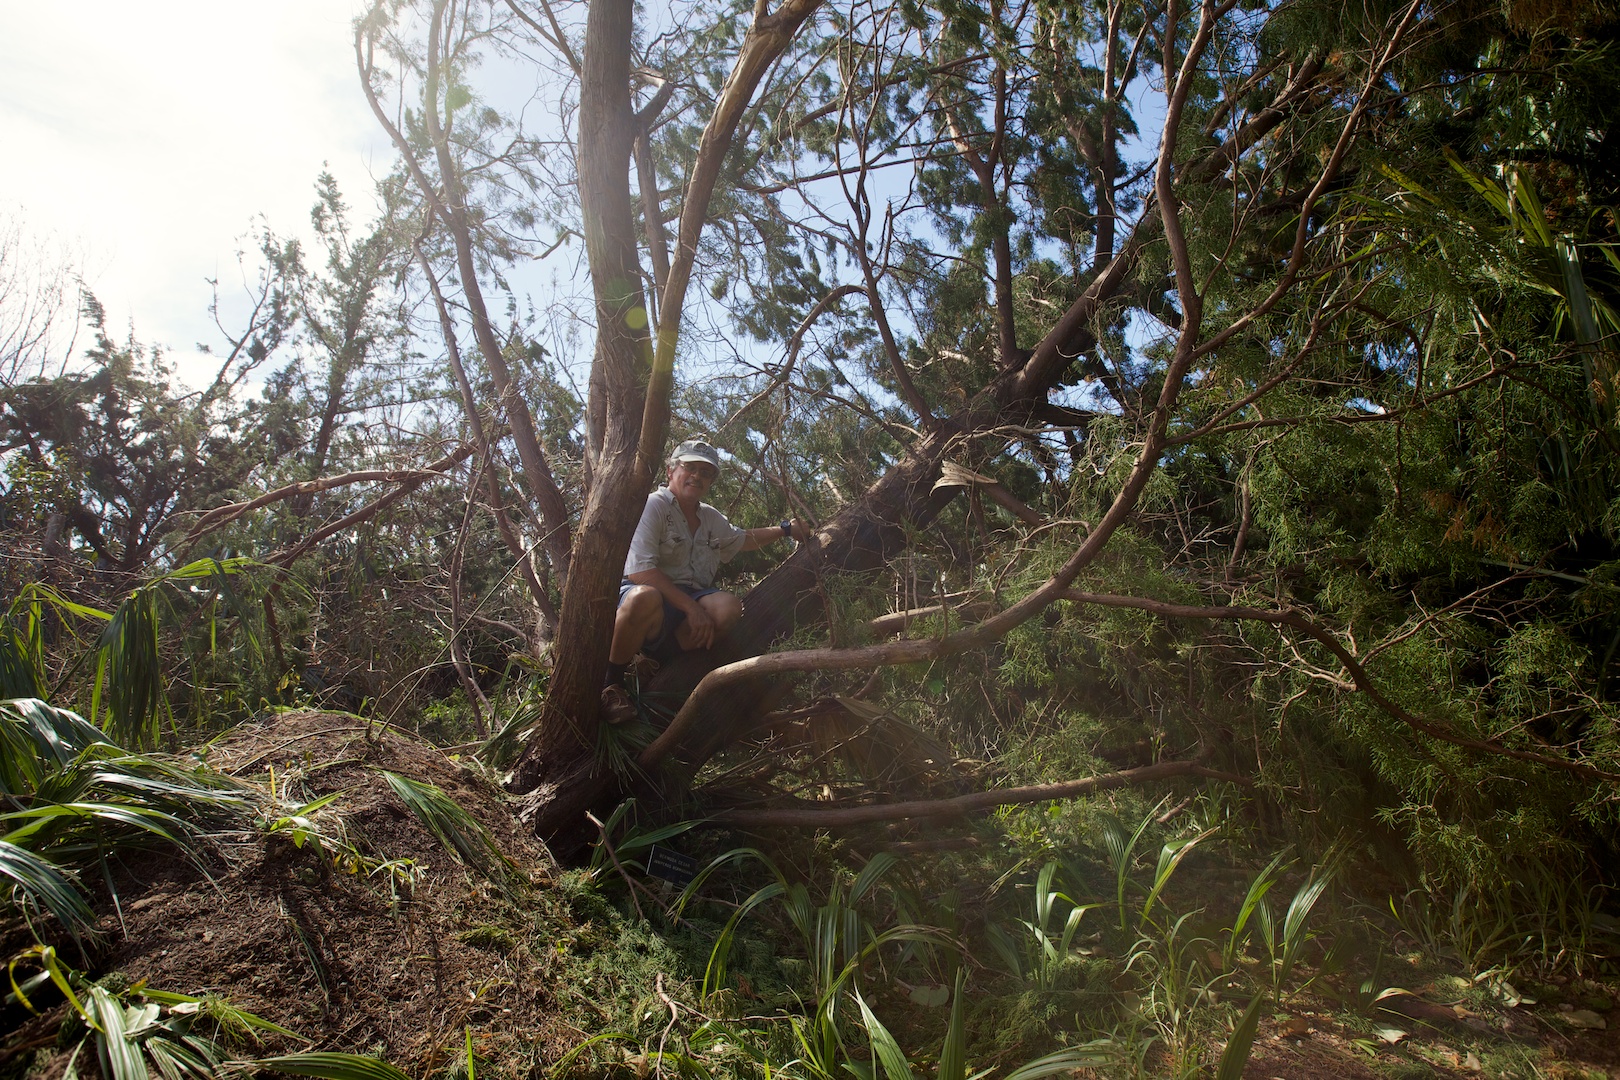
(151, 136)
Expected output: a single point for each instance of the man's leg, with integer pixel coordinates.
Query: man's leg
(724, 608)
(640, 617)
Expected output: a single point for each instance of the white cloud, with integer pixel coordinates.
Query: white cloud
(156, 132)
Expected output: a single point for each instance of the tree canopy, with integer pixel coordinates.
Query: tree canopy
(1222, 388)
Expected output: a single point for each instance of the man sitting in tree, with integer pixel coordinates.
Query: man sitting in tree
(667, 601)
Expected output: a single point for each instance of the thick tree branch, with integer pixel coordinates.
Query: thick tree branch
(765, 41)
(975, 803)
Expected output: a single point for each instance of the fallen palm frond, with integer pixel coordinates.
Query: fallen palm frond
(38, 883)
(72, 798)
(140, 1030)
(330, 1066)
(453, 827)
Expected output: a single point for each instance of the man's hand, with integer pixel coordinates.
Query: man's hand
(699, 627)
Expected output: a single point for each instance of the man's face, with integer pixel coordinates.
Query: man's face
(691, 479)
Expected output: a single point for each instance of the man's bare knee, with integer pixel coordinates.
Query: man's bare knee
(640, 602)
(641, 612)
(724, 608)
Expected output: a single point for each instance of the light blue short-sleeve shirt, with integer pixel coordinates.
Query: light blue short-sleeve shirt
(664, 542)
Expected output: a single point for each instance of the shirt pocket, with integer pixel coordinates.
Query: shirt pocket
(672, 545)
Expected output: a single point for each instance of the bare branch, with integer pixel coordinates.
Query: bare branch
(222, 515)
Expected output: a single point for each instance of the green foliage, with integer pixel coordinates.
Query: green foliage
(137, 1030)
(77, 798)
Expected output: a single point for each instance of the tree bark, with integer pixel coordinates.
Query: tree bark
(630, 383)
(566, 735)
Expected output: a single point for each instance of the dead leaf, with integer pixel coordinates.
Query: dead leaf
(930, 997)
(1585, 1019)
(953, 475)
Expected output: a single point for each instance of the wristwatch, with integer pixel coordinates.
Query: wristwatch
(787, 529)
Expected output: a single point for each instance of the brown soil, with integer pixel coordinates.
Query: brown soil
(1434, 1040)
(336, 955)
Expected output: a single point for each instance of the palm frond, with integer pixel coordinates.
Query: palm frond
(38, 882)
(22, 664)
(117, 1029)
(35, 738)
(238, 1023)
(330, 1066)
(453, 827)
(131, 670)
(54, 825)
(1090, 1055)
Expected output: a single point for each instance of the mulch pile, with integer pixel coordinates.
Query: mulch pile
(354, 961)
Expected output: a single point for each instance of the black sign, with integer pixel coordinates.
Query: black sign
(672, 866)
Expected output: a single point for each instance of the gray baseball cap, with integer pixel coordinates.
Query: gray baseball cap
(696, 450)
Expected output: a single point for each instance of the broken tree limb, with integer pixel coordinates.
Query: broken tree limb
(895, 622)
(976, 802)
(223, 515)
(297, 551)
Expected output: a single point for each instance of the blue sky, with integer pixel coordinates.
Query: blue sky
(150, 136)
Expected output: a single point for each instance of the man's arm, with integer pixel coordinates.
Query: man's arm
(754, 539)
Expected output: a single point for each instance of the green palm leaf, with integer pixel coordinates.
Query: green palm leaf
(120, 1054)
(331, 1066)
(1089, 1056)
(1236, 1054)
(456, 829)
(41, 883)
(33, 736)
(133, 670)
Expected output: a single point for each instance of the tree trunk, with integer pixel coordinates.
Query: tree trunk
(564, 744)
(629, 390)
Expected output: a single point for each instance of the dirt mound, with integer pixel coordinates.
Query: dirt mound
(396, 954)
